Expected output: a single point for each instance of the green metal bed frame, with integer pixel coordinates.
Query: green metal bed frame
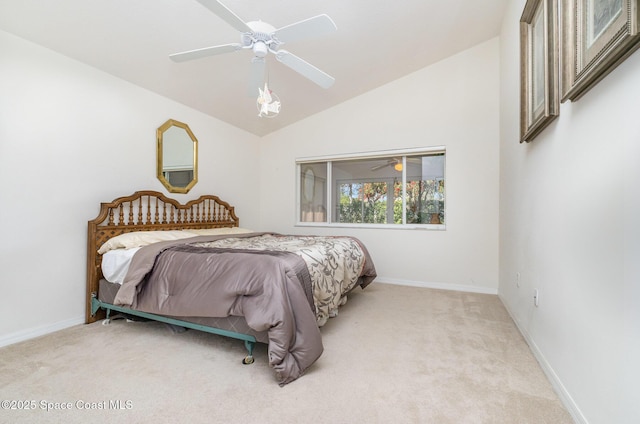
(249, 341)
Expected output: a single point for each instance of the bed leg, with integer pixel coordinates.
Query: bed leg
(249, 358)
(107, 320)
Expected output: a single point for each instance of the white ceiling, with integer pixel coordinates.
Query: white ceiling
(376, 42)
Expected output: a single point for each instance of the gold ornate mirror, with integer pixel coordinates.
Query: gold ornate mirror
(177, 153)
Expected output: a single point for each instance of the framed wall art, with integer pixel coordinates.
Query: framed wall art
(539, 69)
(598, 35)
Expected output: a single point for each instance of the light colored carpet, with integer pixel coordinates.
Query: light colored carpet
(394, 354)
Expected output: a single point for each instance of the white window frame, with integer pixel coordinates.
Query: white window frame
(300, 162)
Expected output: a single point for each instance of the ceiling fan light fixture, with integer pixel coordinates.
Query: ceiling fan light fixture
(398, 166)
(260, 49)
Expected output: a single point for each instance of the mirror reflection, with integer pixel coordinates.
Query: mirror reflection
(177, 153)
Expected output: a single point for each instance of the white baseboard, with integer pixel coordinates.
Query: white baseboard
(440, 286)
(31, 333)
(561, 391)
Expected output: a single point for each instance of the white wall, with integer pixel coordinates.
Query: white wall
(70, 138)
(569, 208)
(452, 103)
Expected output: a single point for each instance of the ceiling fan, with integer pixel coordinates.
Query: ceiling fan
(396, 163)
(262, 38)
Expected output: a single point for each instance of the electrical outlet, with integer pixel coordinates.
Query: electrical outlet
(536, 297)
(517, 279)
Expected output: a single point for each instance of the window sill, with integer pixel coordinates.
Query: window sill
(420, 227)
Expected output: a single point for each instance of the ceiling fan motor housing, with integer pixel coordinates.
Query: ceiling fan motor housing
(261, 38)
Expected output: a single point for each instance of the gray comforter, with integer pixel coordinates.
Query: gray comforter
(271, 289)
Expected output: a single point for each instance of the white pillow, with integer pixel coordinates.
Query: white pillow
(115, 264)
(219, 231)
(141, 238)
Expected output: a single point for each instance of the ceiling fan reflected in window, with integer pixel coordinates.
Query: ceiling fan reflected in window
(262, 38)
(396, 163)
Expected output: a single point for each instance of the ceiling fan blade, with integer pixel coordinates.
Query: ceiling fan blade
(205, 52)
(390, 162)
(313, 27)
(305, 69)
(226, 15)
(256, 76)
(378, 167)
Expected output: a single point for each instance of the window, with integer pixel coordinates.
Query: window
(401, 188)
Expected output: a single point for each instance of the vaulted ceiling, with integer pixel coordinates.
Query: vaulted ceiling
(376, 42)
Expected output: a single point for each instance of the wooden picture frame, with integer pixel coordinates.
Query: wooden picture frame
(539, 68)
(598, 35)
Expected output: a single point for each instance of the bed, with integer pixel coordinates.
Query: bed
(192, 266)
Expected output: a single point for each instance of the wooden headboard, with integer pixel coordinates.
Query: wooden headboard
(148, 211)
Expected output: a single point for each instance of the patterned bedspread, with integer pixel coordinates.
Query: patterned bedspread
(335, 264)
